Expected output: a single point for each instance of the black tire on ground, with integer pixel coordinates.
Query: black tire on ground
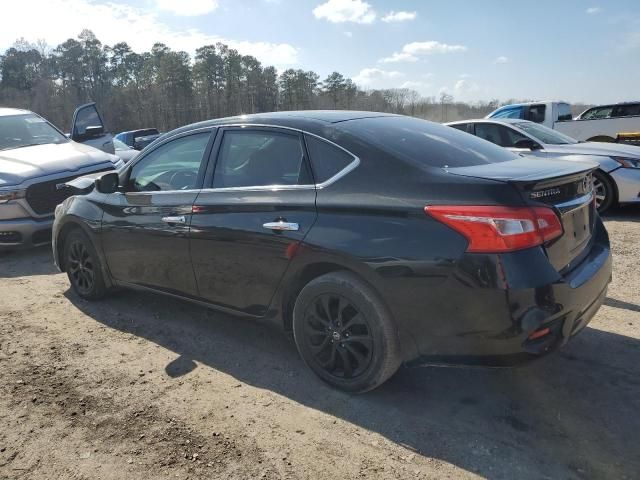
(345, 334)
(83, 267)
(604, 191)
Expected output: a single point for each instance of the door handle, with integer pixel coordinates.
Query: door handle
(178, 219)
(282, 226)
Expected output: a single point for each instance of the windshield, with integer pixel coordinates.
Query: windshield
(18, 131)
(545, 135)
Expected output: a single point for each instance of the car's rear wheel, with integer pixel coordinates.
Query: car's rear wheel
(603, 190)
(344, 332)
(82, 265)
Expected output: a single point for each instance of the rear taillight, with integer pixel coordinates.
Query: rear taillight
(494, 229)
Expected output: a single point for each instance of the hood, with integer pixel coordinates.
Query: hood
(596, 148)
(20, 164)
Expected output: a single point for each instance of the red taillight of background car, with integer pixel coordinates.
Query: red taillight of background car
(496, 229)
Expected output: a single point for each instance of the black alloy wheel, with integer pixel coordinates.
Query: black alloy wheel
(339, 336)
(83, 266)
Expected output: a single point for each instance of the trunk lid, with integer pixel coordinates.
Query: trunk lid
(565, 186)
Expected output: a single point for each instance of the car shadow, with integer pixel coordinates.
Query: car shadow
(626, 213)
(27, 262)
(571, 415)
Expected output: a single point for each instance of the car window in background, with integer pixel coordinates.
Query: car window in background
(513, 112)
(172, 166)
(536, 113)
(18, 131)
(87, 117)
(463, 127)
(510, 136)
(425, 143)
(598, 112)
(564, 112)
(628, 110)
(256, 158)
(326, 159)
(490, 132)
(119, 145)
(545, 135)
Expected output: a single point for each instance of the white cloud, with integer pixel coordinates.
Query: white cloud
(188, 8)
(399, 16)
(412, 51)
(501, 59)
(370, 77)
(348, 34)
(57, 20)
(340, 11)
(593, 10)
(464, 86)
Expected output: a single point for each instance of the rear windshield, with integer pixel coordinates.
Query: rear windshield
(426, 143)
(145, 133)
(17, 131)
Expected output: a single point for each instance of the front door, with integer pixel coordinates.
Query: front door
(87, 127)
(145, 228)
(251, 218)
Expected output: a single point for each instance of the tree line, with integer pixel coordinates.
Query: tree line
(164, 88)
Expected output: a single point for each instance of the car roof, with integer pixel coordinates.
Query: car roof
(5, 112)
(310, 120)
(508, 121)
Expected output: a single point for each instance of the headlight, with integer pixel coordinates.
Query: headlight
(8, 195)
(628, 162)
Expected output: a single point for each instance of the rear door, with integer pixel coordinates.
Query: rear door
(258, 205)
(145, 227)
(87, 127)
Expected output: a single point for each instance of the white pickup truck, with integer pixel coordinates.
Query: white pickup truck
(598, 124)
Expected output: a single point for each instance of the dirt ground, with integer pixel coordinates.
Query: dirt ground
(140, 386)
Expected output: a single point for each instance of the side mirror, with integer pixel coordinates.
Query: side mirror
(527, 144)
(93, 131)
(108, 183)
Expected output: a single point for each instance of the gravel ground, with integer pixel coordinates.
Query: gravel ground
(141, 386)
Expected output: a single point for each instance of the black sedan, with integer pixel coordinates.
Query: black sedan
(377, 240)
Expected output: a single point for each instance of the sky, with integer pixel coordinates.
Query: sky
(573, 50)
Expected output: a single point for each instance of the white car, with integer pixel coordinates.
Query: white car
(597, 124)
(616, 181)
(124, 151)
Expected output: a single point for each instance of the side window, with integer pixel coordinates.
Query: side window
(629, 110)
(510, 137)
(536, 113)
(326, 159)
(173, 166)
(256, 158)
(489, 132)
(87, 117)
(595, 113)
(564, 112)
(461, 126)
(515, 112)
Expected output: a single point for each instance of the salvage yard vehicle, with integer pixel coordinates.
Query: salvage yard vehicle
(597, 124)
(376, 239)
(36, 159)
(138, 139)
(617, 179)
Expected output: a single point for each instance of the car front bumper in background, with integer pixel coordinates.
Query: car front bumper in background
(628, 183)
(24, 233)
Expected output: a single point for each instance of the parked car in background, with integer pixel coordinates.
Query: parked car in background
(35, 160)
(597, 124)
(124, 151)
(138, 139)
(376, 239)
(617, 179)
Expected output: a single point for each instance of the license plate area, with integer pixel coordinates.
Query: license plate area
(578, 224)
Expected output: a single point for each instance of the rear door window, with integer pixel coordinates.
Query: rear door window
(598, 112)
(463, 127)
(564, 112)
(425, 143)
(629, 110)
(327, 160)
(536, 113)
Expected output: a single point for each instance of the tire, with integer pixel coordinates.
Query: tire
(83, 266)
(345, 334)
(604, 191)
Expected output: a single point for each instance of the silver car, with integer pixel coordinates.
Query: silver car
(36, 159)
(616, 181)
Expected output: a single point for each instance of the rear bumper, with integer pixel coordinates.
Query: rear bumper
(494, 326)
(24, 233)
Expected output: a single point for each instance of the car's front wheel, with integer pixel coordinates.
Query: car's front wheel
(344, 332)
(604, 191)
(82, 265)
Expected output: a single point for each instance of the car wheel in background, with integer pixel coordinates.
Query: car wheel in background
(344, 333)
(83, 266)
(604, 191)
